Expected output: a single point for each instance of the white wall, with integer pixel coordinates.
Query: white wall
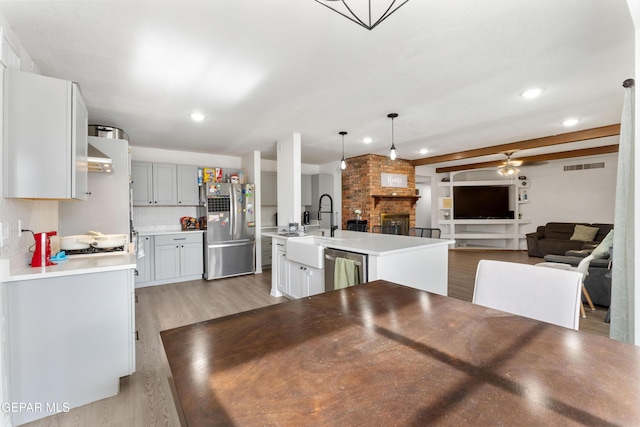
(333, 168)
(423, 205)
(573, 196)
(158, 155)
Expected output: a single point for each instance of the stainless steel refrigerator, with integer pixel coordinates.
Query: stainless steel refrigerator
(230, 238)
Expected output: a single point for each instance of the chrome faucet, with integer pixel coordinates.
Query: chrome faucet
(320, 212)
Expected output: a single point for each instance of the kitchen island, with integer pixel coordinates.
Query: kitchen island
(70, 330)
(418, 262)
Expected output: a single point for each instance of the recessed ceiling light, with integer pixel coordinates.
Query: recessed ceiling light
(197, 117)
(531, 93)
(423, 151)
(570, 122)
(367, 140)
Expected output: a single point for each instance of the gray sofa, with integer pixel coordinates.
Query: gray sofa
(554, 238)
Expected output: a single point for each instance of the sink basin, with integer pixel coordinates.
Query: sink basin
(306, 252)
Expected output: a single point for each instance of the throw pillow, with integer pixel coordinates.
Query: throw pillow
(602, 251)
(584, 233)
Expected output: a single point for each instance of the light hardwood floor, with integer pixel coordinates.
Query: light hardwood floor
(145, 398)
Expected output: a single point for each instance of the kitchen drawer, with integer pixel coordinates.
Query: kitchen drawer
(178, 238)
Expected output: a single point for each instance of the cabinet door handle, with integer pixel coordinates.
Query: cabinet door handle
(180, 238)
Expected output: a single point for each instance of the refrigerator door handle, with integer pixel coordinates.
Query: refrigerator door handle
(234, 243)
(232, 209)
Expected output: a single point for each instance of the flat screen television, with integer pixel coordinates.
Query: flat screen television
(481, 202)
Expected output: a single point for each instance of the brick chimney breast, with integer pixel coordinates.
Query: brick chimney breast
(362, 179)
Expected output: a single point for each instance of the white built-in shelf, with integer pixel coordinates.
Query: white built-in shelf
(497, 183)
(483, 233)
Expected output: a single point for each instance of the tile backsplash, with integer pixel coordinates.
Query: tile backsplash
(161, 216)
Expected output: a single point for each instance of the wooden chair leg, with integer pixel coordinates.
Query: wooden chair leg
(588, 297)
(582, 313)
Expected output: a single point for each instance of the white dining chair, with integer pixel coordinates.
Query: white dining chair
(582, 268)
(546, 294)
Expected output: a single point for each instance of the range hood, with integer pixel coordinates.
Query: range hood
(97, 161)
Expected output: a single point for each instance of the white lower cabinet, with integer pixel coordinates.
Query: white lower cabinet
(304, 281)
(293, 279)
(282, 267)
(69, 339)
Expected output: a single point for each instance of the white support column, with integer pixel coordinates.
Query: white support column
(289, 180)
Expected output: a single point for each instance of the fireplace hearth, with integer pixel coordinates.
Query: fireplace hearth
(396, 220)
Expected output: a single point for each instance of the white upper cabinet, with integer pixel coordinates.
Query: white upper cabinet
(45, 138)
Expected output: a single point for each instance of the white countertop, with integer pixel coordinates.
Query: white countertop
(77, 264)
(164, 229)
(370, 243)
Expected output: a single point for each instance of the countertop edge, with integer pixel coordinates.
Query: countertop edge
(343, 244)
(74, 266)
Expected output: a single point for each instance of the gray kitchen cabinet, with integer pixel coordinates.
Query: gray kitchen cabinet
(269, 190)
(165, 184)
(266, 254)
(144, 265)
(305, 194)
(141, 183)
(178, 255)
(187, 183)
(45, 138)
(154, 184)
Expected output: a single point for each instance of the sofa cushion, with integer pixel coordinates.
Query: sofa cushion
(584, 233)
(602, 251)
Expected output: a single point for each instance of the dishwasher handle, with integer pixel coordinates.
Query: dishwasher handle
(332, 258)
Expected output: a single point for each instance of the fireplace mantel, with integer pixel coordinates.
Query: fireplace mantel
(378, 197)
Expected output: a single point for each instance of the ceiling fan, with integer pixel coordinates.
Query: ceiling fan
(510, 167)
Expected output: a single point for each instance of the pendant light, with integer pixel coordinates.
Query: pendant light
(343, 164)
(393, 153)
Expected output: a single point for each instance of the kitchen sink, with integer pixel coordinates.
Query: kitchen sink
(306, 251)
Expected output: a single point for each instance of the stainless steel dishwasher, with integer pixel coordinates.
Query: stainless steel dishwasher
(330, 256)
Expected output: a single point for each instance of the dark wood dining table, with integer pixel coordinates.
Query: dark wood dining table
(385, 354)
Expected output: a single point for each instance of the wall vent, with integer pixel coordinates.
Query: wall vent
(599, 165)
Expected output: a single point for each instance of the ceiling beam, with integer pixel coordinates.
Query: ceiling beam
(533, 159)
(564, 138)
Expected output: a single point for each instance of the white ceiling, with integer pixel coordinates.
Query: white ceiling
(262, 70)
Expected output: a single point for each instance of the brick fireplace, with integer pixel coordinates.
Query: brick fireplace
(362, 189)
